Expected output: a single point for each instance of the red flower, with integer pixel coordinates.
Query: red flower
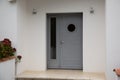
(6, 42)
(19, 57)
(14, 49)
(6, 48)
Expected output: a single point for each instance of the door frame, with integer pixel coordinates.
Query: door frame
(48, 36)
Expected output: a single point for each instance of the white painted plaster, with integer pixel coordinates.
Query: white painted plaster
(113, 37)
(7, 70)
(8, 21)
(22, 35)
(8, 29)
(29, 31)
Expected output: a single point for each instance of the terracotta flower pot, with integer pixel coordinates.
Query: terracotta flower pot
(6, 59)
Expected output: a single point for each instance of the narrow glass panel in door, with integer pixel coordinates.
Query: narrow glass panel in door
(52, 23)
(53, 37)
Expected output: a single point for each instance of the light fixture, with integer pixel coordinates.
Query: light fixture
(92, 10)
(11, 1)
(34, 11)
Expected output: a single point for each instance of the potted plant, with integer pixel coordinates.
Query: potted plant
(6, 50)
(7, 60)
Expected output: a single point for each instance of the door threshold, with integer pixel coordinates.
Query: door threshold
(58, 74)
(64, 69)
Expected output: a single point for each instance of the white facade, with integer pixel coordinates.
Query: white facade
(8, 21)
(31, 32)
(93, 31)
(8, 29)
(113, 37)
(7, 70)
(28, 31)
(34, 33)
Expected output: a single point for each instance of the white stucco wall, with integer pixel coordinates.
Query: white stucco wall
(29, 31)
(113, 37)
(8, 29)
(7, 70)
(22, 37)
(32, 34)
(8, 21)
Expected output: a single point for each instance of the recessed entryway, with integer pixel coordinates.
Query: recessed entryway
(64, 41)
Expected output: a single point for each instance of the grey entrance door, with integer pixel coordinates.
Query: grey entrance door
(65, 41)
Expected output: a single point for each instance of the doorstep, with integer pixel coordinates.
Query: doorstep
(60, 75)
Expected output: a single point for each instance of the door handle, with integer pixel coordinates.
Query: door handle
(61, 42)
